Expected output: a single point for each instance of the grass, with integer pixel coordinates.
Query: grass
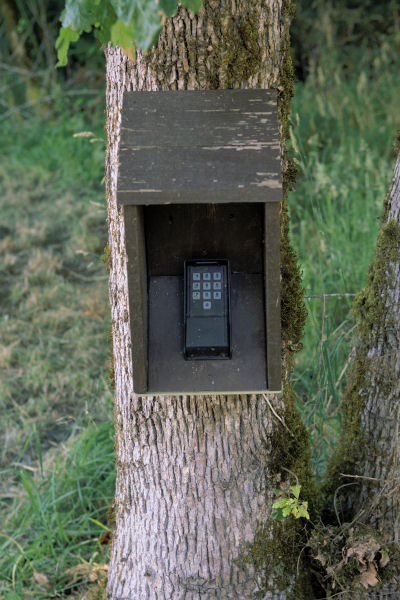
(53, 284)
(54, 520)
(56, 458)
(343, 128)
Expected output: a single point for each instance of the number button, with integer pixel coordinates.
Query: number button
(196, 276)
(206, 276)
(206, 295)
(217, 276)
(206, 285)
(196, 295)
(207, 305)
(217, 295)
(216, 285)
(196, 285)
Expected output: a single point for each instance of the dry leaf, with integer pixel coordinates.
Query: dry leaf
(40, 578)
(321, 559)
(369, 578)
(364, 550)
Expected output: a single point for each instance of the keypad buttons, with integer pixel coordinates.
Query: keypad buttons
(217, 276)
(206, 295)
(196, 285)
(196, 276)
(196, 295)
(206, 285)
(217, 285)
(206, 276)
(207, 305)
(217, 295)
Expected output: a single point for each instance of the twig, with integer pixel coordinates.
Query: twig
(361, 477)
(335, 496)
(276, 414)
(328, 295)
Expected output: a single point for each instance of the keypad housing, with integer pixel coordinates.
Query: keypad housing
(207, 309)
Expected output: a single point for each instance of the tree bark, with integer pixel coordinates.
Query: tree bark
(369, 451)
(195, 474)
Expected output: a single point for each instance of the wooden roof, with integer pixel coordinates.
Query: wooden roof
(202, 146)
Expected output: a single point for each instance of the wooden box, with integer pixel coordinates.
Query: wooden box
(200, 177)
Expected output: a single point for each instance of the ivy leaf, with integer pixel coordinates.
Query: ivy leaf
(280, 503)
(296, 490)
(302, 511)
(124, 10)
(193, 5)
(65, 37)
(121, 34)
(168, 6)
(78, 15)
(147, 19)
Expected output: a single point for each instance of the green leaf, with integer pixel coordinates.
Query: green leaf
(124, 9)
(193, 5)
(280, 503)
(277, 515)
(122, 34)
(65, 37)
(296, 490)
(147, 20)
(168, 6)
(78, 15)
(302, 511)
(286, 511)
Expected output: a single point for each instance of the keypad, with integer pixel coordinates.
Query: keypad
(206, 287)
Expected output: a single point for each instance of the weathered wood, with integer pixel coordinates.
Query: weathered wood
(179, 232)
(137, 293)
(272, 296)
(244, 372)
(199, 147)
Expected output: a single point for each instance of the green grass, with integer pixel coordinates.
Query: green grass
(343, 128)
(50, 545)
(56, 458)
(53, 284)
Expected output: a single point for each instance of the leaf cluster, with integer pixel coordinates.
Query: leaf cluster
(129, 24)
(288, 503)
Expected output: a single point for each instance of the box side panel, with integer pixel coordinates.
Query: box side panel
(137, 290)
(272, 295)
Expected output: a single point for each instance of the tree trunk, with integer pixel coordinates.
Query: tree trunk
(195, 474)
(369, 450)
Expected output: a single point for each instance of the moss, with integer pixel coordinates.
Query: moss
(276, 552)
(106, 258)
(293, 310)
(239, 53)
(369, 306)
